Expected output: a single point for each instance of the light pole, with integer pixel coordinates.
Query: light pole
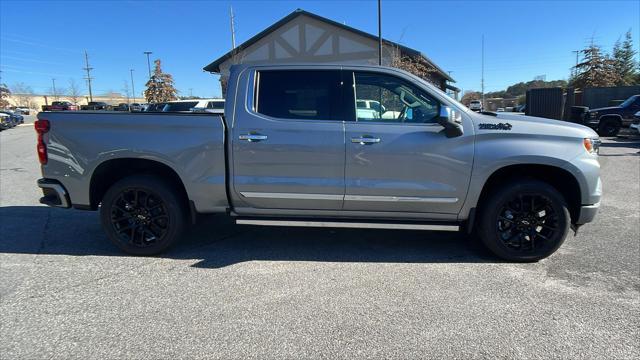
(148, 61)
(379, 32)
(133, 89)
(55, 93)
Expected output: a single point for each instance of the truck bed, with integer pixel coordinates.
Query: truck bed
(192, 145)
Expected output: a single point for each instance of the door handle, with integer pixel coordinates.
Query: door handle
(365, 140)
(252, 137)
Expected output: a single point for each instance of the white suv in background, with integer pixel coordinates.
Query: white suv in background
(215, 106)
(475, 105)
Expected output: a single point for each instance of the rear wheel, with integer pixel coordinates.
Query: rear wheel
(143, 215)
(525, 221)
(609, 127)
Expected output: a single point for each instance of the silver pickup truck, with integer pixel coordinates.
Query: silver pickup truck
(294, 144)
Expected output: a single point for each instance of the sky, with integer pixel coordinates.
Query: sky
(41, 41)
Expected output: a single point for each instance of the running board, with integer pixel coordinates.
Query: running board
(344, 224)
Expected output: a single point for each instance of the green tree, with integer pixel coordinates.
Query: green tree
(160, 86)
(624, 61)
(595, 70)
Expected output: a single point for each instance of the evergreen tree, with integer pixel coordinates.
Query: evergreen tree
(160, 86)
(595, 70)
(624, 61)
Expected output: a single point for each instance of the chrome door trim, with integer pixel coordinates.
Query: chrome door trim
(444, 200)
(294, 196)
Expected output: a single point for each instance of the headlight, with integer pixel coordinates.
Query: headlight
(592, 145)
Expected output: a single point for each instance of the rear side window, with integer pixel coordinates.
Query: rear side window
(299, 94)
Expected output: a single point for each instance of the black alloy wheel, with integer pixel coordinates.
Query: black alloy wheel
(143, 215)
(525, 220)
(139, 217)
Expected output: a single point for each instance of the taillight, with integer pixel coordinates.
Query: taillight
(42, 127)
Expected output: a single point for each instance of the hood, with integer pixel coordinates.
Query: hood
(609, 108)
(522, 124)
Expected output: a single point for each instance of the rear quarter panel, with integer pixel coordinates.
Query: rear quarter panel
(191, 145)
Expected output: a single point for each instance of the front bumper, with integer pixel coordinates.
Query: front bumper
(587, 213)
(54, 193)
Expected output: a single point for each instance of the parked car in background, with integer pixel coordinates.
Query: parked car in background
(475, 105)
(215, 106)
(60, 106)
(95, 105)
(14, 117)
(21, 110)
(500, 110)
(5, 121)
(279, 152)
(520, 108)
(121, 107)
(635, 125)
(135, 107)
(608, 121)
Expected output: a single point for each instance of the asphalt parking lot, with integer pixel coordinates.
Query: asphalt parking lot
(230, 291)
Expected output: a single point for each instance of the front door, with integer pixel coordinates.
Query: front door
(288, 147)
(398, 158)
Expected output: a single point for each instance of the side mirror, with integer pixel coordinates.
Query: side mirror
(451, 120)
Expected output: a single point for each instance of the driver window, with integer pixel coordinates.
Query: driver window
(385, 98)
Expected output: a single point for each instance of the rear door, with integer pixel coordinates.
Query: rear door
(398, 158)
(288, 141)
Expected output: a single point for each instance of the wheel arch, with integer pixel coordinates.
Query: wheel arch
(561, 179)
(110, 171)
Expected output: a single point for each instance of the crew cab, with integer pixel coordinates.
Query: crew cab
(60, 106)
(292, 145)
(608, 120)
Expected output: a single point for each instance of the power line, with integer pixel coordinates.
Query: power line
(88, 69)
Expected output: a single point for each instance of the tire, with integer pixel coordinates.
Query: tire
(516, 228)
(608, 127)
(143, 215)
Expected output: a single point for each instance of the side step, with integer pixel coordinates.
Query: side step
(350, 224)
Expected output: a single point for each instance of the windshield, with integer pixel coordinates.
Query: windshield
(629, 101)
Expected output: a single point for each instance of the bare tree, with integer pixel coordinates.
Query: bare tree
(24, 95)
(74, 91)
(125, 89)
(4, 94)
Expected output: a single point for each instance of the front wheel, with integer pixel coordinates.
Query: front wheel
(525, 221)
(143, 215)
(609, 128)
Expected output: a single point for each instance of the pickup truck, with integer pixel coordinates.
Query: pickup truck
(607, 121)
(60, 106)
(291, 146)
(96, 105)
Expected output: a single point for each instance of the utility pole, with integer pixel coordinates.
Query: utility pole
(148, 62)
(482, 76)
(233, 29)
(190, 92)
(133, 88)
(379, 32)
(55, 93)
(88, 69)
